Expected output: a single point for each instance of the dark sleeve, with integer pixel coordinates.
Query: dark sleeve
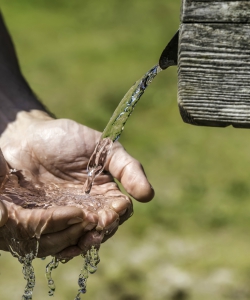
(14, 89)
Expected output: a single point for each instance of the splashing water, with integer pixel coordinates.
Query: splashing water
(97, 161)
(29, 275)
(25, 249)
(91, 259)
(116, 124)
(52, 265)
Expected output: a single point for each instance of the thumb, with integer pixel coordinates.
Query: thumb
(130, 173)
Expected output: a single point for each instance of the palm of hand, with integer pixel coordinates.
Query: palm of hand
(54, 150)
(57, 151)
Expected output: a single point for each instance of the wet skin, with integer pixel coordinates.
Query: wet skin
(49, 151)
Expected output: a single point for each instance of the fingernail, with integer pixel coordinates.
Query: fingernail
(75, 221)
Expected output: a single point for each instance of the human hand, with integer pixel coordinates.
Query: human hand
(57, 151)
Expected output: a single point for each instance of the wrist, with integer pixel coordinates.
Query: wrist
(34, 115)
(10, 110)
(19, 127)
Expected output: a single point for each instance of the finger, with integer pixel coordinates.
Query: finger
(108, 219)
(61, 218)
(109, 235)
(120, 203)
(29, 223)
(126, 215)
(68, 253)
(90, 239)
(115, 200)
(130, 173)
(53, 243)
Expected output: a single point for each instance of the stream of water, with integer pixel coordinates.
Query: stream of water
(116, 124)
(25, 250)
(91, 260)
(52, 265)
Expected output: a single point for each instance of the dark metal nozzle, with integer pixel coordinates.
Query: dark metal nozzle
(169, 56)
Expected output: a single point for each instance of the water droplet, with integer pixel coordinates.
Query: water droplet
(52, 265)
(90, 261)
(26, 250)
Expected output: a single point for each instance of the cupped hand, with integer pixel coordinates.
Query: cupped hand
(48, 151)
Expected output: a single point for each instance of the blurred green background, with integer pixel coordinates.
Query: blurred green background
(192, 241)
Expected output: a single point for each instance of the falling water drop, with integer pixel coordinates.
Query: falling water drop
(90, 262)
(29, 275)
(52, 265)
(26, 249)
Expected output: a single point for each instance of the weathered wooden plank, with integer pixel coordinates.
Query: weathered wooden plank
(215, 11)
(214, 74)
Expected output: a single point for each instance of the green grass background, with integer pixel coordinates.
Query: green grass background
(192, 241)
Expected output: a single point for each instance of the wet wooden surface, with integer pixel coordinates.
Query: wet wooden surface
(216, 11)
(214, 63)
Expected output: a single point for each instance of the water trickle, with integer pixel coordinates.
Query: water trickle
(90, 262)
(29, 275)
(25, 248)
(97, 161)
(116, 124)
(52, 265)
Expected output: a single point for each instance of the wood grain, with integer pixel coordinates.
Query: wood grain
(214, 74)
(219, 11)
